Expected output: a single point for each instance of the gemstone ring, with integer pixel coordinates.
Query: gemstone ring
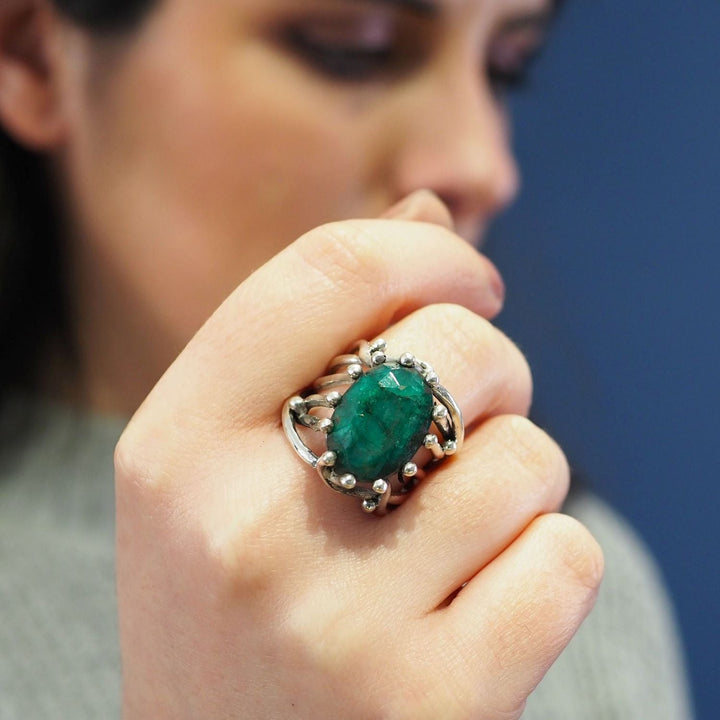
(372, 434)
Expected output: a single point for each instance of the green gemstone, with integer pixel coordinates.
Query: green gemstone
(381, 422)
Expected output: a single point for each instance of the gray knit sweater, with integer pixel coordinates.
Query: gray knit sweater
(59, 655)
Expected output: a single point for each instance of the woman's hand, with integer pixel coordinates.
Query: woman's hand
(247, 589)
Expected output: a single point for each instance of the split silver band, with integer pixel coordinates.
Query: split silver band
(312, 415)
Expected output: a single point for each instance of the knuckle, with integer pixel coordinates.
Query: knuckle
(536, 450)
(477, 348)
(131, 472)
(469, 341)
(246, 560)
(507, 368)
(577, 551)
(139, 461)
(344, 257)
(463, 331)
(520, 387)
(123, 458)
(458, 321)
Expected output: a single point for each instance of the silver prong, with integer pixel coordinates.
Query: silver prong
(380, 487)
(354, 371)
(378, 358)
(440, 412)
(327, 459)
(324, 425)
(407, 360)
(431, 443)
(369, 506)
(431, 378)
(410, 470)
(348, 481)
(450, 447)
(334, 398)
(378, 346)
(342, 361)
(328, 382)
(290, 422)
(452, 428)
(297, 405)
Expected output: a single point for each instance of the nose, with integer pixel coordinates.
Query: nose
(455, 141)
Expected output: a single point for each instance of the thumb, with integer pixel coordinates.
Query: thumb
(421, 206)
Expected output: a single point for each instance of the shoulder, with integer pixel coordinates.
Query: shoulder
(626, 659)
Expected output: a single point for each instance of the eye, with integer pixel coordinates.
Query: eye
(342, 58)
(511, 57)
(357, 47)
(503, 80)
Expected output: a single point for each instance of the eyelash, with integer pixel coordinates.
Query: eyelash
(504, 81)
(346, 62)
(359, 64)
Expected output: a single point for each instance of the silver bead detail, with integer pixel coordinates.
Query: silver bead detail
(327, 459)
(297, 405)
(348, 481)
(410, 470)
(334, 398)
(380, 487)
(369, 506)
(450, 447)
(325, 425)
(440, 412)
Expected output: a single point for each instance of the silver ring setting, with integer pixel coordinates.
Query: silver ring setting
(372, 422)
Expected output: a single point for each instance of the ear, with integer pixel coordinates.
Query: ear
(30, 109)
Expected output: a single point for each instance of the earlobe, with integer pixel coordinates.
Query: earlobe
(30, 110)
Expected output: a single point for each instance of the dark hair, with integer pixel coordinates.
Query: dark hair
(33, 306)
(105, 15)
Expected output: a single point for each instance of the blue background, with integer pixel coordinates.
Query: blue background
(611, 258)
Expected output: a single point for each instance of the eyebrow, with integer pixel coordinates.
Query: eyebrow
(431, 7)
(422, 7)
(540, 20)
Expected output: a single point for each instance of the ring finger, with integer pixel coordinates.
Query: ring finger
(508, 472)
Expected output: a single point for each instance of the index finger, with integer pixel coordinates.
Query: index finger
(337, 283)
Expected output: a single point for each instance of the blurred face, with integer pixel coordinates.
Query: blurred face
(222, 130)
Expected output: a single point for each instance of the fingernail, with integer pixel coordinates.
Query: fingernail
(497, 285)
(407, 208)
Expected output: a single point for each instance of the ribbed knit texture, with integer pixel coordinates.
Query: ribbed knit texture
(59, 656)
(625, 662)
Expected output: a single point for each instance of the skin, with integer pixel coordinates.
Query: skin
(245, 587)
(193, 193)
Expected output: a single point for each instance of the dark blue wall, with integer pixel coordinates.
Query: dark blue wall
(612, 259)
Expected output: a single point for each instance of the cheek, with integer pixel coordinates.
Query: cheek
(281, 166)
(188, 182)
